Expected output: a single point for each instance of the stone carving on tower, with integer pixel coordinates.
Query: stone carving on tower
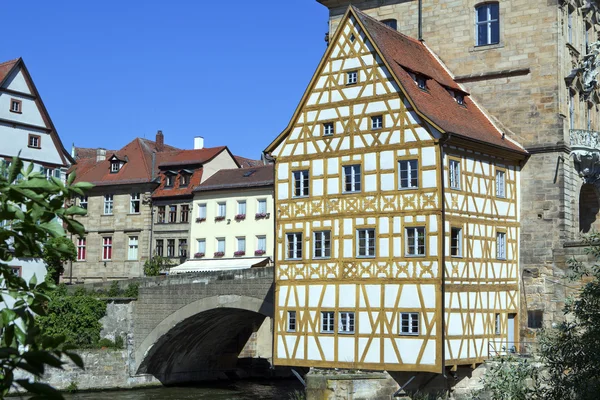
(585, 151)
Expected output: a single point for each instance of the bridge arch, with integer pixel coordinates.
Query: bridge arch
(200, 339)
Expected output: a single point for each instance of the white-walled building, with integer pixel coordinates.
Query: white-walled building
(26, 129)
(232, 224)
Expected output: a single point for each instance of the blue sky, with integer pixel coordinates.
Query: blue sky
(108, 71)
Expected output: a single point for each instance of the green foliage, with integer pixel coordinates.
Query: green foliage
(155, 265)
(510, 378)
(133, 290)
(571, 352)
(297, 395)
(72, 388)
(31, 205)
(75, 317)
(114, 290)
(109, 344)
(429, 396)
(57, 251)
(119, 342)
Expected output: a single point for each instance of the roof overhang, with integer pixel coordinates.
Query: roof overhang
(220, 264)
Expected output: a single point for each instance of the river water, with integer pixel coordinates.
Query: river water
(240, 390)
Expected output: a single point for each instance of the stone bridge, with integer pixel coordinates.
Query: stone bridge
(192, 327)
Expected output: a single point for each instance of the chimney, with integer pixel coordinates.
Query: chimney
(100, 155)
(160, 141)
(198, 142)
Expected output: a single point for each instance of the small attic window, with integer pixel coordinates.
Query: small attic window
(169, 180)
(421, 82)
(392, 23)
(115, 166)
(249, 173)
(352, 38)
(184, 179)
(460, 98)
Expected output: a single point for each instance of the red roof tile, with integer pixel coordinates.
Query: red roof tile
(239, 178)
(6, 67)
(248, 162)
(404, 54)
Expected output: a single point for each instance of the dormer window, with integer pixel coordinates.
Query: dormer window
(184, 179)
(169, 180)
(115, 166)
(392, 23)
(15, 106)
(460, 98)
(421, 82)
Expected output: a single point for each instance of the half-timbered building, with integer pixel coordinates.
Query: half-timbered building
(397, 219)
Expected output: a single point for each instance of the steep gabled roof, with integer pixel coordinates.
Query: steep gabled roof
(6, 69)
(404, 55)
(239, 178)
(248, 162)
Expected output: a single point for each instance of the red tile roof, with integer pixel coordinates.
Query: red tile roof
(405, 54)
(239, 178)
(248, 162)
(6, 67)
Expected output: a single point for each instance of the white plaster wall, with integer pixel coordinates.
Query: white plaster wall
(222, 161)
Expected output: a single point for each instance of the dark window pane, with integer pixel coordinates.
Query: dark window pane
(495, 32)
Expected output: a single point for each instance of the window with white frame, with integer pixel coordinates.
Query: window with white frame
(328, 129)
(132, 253)
(183, 247)
(107, 248)
(81, 249)
(241, 207)
(134, 202)
(377, 122)
(15, 105)
(352, 178)
(201, 246)
(261, 243)
(454, 174)
(351, 77)
(301, 183)
(415, 241)
(294, 245)
(170, 247)
(159, 250)
(172, 214)
(262, 206)
(108, 204)
(497, 324)
(487, 24)
(241, 243)
(500, 184)
(221, 245)
(409, 323)
(501, 245)
(221, 209)
(365, 242)
(346, 322)
(327, 321)
(322, 244)
(202, 211)
(83, 202)
(115, 166)
(408, 174)
(169, 180)
(456, 242)
(291, 321)
(35, 141)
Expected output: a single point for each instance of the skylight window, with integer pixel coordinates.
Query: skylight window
(421, 82)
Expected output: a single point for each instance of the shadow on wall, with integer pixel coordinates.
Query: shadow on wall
(589, 206)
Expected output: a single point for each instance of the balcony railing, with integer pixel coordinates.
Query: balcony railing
(501, 347)
(585, 151)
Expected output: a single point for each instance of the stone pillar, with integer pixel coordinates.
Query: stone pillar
(331, 384)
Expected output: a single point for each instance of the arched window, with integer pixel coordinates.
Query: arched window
(588, 209)
(392, 23)
(487, 24)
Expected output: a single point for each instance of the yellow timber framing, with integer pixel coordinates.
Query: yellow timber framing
(309, 215)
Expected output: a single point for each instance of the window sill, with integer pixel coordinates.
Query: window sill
(106, 260)
(408, 188)
(300, 197)
(131, 260)
(81, 260)
(327, 332)
(415, 255)
(15, 112)
(137, 213)
(293, 259)
(346, 333)
(483, 47)
(408, 334)
(34, 147)
(455, 189)
(107, 215)
(322, 258)
(352, 192)
(288, 331)
(456, 256)
(367, 257)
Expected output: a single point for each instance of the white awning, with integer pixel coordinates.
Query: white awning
(219, 264)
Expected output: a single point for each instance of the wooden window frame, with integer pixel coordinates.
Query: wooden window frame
(501, 234)
(352, 74)
(349, 322)
(410, 318)
(297, 239)
(325, 127)
(407, 253)
(304, 188)
(38, 138)
(16, 101)
(458, 181)
(489, 22)
(367, 254)
(399, 180)
(292, 321)
(327, 323)
(320, 237)
(375, 118)
(496, 186)
(356, 185)
(459, 241)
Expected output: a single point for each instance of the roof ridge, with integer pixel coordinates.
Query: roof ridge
(412, 39)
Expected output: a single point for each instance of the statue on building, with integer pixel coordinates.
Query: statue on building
(590, 68)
